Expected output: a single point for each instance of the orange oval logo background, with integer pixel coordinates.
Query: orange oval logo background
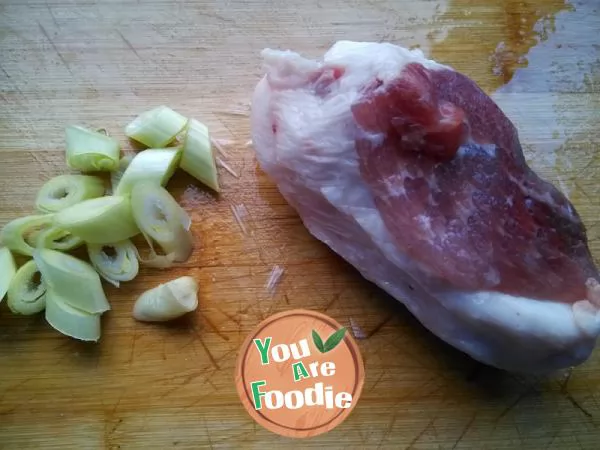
(326, 370)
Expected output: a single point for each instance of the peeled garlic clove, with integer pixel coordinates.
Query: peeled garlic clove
(167, 301)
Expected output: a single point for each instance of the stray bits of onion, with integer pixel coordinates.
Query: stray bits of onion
(115, 262)
(91, 151)
(167, 301)
(73, 280)
(161, 220)
(27, 291)
(156, 128)
(99, 221)
(66, 190)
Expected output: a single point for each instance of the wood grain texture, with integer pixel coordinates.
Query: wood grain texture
(100, 62)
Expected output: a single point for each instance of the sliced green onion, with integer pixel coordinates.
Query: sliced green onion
(71, 321)
(16, 234)
(91, 151)
(155, 165)
(27, 292)
(99, 221)
(116, 176)
(65, 190)
(198, 158)
(55, 238)
(8, 268)
(157, 127)
(73, 280)
(118, 264)
(167, 301)
(161, 219)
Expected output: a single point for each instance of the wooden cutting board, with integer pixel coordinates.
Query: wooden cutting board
(99, 63)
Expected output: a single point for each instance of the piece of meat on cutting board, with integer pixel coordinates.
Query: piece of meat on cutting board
(410, 172)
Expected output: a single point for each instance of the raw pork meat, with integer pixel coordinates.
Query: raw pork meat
(410, 172)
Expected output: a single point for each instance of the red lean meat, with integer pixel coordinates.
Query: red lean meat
(411, 173)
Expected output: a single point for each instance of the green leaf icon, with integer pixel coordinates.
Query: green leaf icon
(333, 340)
(318, 341)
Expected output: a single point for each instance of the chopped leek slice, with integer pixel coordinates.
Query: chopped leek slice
(116, 176)
(157, 127)
(8, 268)
(119, 264)
(65, 190)
(160, 218)
(16, 233)
(71, 321)
(167, 301)
(99, 221)
(198, 158)
(73, 280)
(26, 294)
(153, 165)
(91, 151)
(56, 238)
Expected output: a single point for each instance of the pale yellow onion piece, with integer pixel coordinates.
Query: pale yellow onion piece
(15, 233)
(120, 265)
(91, 151)
(66, 190)
(116, 176)
(99, 221)
(71, 321)
(8, 268)
(26, 295)
(160, 218)
(167, 301)
(73, 280)
(198, 158)
(55, 238)
(153, 165)
(157, 127)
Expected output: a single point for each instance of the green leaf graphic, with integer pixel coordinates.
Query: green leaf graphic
(318, 341)
(333, 340)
